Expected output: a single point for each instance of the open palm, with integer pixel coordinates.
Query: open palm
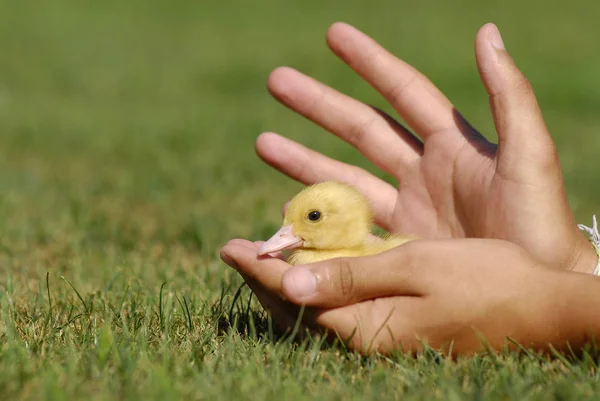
(453, 182)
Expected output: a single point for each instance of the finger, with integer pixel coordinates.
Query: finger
(285, 208)
(382, 325)
(242, 256)
(523, 138)
(346, 281)
(310, 167)
(423, 106)
(376, 135)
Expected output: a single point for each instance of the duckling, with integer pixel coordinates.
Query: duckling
(329, 220)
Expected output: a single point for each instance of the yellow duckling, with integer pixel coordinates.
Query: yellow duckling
(328, 220)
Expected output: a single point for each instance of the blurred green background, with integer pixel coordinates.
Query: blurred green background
(127, 128)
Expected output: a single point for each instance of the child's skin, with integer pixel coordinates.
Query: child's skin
(520, 282)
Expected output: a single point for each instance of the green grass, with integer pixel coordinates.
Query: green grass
(126, 160)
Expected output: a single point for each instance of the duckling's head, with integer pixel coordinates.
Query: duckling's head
(329, 215)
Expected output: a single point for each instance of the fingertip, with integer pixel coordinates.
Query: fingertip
(227, 258)
(235, 242)
(279, 73)
(281, 81)
(487, 26)
(272, 148)
(265, 141)
(491, 33)
(339, 25)
(236, 247)
(338, 28)
(340, 37)
(266, 136)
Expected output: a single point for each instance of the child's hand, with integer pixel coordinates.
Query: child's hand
(442, 292)
(453, 182)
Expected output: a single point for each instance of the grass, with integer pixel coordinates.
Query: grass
(126, 160)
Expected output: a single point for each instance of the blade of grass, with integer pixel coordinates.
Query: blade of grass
(85, 308)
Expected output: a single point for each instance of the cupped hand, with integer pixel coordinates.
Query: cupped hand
(448, 294)
(453, 182)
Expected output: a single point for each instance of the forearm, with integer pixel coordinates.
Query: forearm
(578, 309)
(585, 256)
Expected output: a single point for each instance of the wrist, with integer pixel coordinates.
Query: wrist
(577, 301)
(586, 257)
(561, 310)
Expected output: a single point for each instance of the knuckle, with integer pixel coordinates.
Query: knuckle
(523, 84)
(304, 171)
(345, 278)
(523, 87)
(516, 87)
(360, 130)
(397, 92)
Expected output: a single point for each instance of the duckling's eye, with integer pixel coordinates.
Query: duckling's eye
(314, 215)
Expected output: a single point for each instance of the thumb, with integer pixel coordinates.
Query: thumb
(525, 147)
(346, 281)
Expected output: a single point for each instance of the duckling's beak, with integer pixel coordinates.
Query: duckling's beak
(282, 239)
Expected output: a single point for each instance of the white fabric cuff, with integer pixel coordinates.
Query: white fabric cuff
(594, 238)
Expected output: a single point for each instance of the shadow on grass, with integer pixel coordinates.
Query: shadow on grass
(242, 315)
(237, 314)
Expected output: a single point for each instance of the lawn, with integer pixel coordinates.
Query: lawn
(127, 160)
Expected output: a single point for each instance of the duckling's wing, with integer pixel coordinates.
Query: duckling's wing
(305, 256)
(373, 246)
(386, 243)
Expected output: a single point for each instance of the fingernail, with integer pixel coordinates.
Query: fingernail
(299, 282)
(496, 39)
